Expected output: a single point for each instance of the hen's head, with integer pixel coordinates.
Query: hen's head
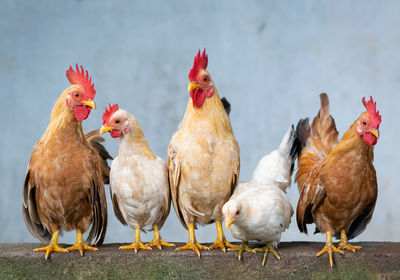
(368, 123)
(81, 94)
(231, 211)
(200, 86)
(115, 121)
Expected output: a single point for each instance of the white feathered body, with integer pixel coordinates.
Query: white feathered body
(139, 182)
(265, 210)
(265, 213)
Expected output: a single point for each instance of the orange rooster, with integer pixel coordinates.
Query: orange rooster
(337, 180)
(203, 158)
(64, 182)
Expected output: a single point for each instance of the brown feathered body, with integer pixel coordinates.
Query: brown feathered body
(64, 183)
(337, 180)
(203, 160)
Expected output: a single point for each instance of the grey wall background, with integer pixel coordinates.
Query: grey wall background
(271, 59)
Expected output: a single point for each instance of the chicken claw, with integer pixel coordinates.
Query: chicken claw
(329, 248)
(157, 241)
(268, 248)
(241, 248)
(192, 243)
(80, 244)
(137, 244)
(344, 245)
(52, 247)
(221, 241)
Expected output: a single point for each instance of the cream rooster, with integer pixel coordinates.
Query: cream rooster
(138, 179)
(203, 159)
(260, 209)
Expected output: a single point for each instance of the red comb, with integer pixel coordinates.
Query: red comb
(200, 62)
(81, 78)
(375, 118)
(108, 113)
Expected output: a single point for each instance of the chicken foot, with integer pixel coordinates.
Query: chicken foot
(137, 244)
(241, 248)
(329, 248)
(344, 245)
(80, 244)
(268, 248)
(52, 247)
(221, 242)
(192, 243)
(157, 240)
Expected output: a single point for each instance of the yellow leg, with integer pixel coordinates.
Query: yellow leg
(266, 250)
(52, 247)
(80, 244)
(241, 248)
(329, 248)
(157, 240)
(192, 243)
(137, 244)
(221, 241)
(344, 245)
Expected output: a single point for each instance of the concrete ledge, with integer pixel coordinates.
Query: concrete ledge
(376, 260)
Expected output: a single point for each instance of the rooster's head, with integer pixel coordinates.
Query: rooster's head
(200, 86)
(368, 123)
(81, 93)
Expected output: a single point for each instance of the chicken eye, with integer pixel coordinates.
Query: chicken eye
(205, 79)
(237, 212)
(364, 123)
(76, 95)
(117, 121)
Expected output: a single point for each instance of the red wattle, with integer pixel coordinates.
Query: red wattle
(81, 112)
(198, 97)
(115, 133)
(370, 139)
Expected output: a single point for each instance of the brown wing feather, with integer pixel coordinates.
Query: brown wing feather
(94, 140)
(99, 212)
(174, 171)
(319, 138)
(29, 210)
(310, 198)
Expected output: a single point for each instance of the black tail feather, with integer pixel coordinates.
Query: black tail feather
(227, 105)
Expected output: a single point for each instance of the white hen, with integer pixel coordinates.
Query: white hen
(260, 209)
(138, 179)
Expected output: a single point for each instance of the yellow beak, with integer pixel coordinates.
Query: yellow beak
(374, 132)
(89, 103)
(228, 223)
(105, 129)
(192, 86)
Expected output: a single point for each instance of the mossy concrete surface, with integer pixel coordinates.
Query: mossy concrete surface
(376, 260)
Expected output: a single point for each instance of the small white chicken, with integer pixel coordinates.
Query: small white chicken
(138, 179)
(260, 209)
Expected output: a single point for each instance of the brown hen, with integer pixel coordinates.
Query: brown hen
(337, 180)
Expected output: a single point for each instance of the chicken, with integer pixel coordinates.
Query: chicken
(337, 180)
(138, 179)
(203, 159)
(64, 181)
(260, 209)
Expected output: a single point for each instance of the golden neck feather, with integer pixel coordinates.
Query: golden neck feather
(352, 141)
(134, 141)
(62, 119)
(212, 112)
